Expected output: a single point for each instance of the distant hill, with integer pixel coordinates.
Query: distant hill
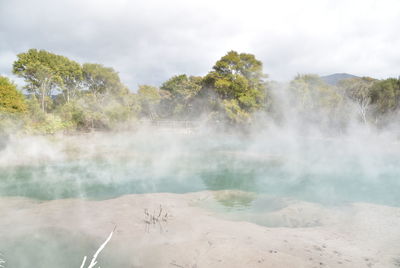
(333, 79)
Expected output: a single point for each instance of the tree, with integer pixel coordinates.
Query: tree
(385, 95)
(149, 98)
(359, 91)
(99, 79)
(234, 112)
(238, 77)
(11, 100)
(313, 98)
(178, 95)
(71, 74)
(45, 72)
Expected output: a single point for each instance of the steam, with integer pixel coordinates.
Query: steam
(292, 157)
(359, 165)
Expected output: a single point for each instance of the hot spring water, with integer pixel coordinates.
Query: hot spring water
(260, 171)
(327, 171)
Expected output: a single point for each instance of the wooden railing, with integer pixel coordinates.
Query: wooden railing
(174, 123)
(185, 125)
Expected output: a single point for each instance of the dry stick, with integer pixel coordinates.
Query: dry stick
(158, 220)
(2, 261)
(177, 265)
(94, 262)
(147, 219)
(159, 214)
(83, 262)
(151, 219)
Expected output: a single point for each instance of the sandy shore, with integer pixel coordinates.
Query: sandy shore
(190, 235)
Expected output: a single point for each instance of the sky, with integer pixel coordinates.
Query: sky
(149, 41)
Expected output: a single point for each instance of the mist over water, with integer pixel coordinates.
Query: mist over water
(264, 172)
(214, 165)
(329, 170)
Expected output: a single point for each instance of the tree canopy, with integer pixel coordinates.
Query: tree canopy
(181, 93)
(11, 100)
(385, 95)
(45, 72)
(67, 94)
(238, 80)
(149, 98)
(314, 101)
(99, 79)
(359, 90)
(312, 93)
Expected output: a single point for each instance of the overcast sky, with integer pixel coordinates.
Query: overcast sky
(148, 41)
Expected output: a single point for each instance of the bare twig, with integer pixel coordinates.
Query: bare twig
(83, 262)
(153, 219)
(2, 261)
(177, 265)
(94, 262)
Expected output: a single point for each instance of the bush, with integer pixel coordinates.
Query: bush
(11, 100)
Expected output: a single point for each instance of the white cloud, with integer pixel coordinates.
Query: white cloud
(149, 41)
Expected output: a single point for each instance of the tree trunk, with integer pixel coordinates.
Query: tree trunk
(43, 96)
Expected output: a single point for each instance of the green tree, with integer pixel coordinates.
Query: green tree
(11, 100)
(314, 99)
(234, 112)
(385, 95)
(36, 114)
(359, 91)
(178, 95)
(149, 98)
(237, 77)
(71, 74)
(45, 72)
(100, 80)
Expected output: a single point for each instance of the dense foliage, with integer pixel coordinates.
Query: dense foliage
(237, 80)
(64, 95)
(11, 100)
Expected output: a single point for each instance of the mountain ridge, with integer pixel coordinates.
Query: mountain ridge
(333, 79)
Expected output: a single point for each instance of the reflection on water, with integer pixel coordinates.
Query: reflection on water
(270, 211)
(234, 199)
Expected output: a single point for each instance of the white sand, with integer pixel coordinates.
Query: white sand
(358, 235)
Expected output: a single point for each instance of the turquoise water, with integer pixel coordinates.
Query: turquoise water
(266, 171)
(54, 247)
(324, 171)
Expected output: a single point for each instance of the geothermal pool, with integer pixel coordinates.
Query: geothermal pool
(328, 171)
(235, 178)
